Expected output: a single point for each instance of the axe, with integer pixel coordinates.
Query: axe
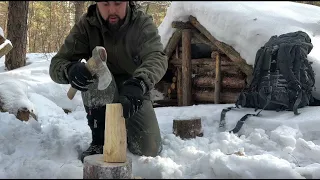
(97, 65)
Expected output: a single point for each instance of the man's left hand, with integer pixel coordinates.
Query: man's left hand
(131, 96)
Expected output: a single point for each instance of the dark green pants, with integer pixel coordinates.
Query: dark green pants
(143, 134)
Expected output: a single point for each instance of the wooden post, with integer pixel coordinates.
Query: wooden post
(115, 141)
(217, 86)
(186, 67)
(179, 86)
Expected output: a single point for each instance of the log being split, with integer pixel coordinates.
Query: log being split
(187, 129)
(113, 163)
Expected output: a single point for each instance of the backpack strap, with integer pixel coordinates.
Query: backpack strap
(222, 123)
(245, 117)
(285, 67)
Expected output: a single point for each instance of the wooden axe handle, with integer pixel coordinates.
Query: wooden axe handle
(71, 93)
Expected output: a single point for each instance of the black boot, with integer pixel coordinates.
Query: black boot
(96, 123)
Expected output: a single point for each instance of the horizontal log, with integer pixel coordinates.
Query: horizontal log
(227, 82)
(165, 102)
(182, 25)
(208, 70)
(202, 61)
(208, 96)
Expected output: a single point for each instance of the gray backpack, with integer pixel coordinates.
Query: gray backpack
(282, 77)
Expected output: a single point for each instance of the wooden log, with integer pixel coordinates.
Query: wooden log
(113, 163)
(173, 42)
(2, 39)
(226, 49)
(174, 79)
(115, 141)
(186, 67)
(165, 102)
(187, 129)
(217, 82)
(94, 167)
(203, 61)
(207, 70)
(5, 47)
(173, 86)
(182, 25)
(179, 86)
(208, 96)
(226, 82)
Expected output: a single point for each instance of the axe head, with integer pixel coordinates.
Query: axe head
(97, 65)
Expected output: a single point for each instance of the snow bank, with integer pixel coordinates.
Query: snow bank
(247, 26)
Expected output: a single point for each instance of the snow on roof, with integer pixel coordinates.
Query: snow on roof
(247, 26)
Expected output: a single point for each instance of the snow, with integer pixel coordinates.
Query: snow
(1, 32)
(274, 145)
(247, 26)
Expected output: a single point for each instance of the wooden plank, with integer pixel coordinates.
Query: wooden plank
(182, 25)
(173, 42)
(226, 49)
(217, 83)
(115, 138)
(186, 67)
(179, 86)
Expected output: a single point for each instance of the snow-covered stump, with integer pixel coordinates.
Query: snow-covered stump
(187, 129)
(113, 163)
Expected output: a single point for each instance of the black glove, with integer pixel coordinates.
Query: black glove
(131, 96)
(79, 76)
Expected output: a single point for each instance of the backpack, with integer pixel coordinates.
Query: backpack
(283, 78)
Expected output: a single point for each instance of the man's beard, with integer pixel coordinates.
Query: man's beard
(114, 26)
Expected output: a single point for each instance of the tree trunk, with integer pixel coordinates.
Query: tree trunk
(79, 10)
(17, 34)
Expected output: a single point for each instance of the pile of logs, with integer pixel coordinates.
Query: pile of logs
(216, 79)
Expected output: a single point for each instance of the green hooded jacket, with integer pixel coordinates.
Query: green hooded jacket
(135, 50)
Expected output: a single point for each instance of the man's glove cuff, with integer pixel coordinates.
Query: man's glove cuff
(137, 82)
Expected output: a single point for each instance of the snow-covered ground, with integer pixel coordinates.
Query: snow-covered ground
(275, 145)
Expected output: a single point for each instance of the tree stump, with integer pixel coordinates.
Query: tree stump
(94, 167)
(187, 129)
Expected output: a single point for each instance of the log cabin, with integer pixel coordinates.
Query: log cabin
(201, 69)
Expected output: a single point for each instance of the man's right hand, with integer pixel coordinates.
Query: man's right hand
(79, 76)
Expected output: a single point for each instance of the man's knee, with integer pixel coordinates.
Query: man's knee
(150, 145)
